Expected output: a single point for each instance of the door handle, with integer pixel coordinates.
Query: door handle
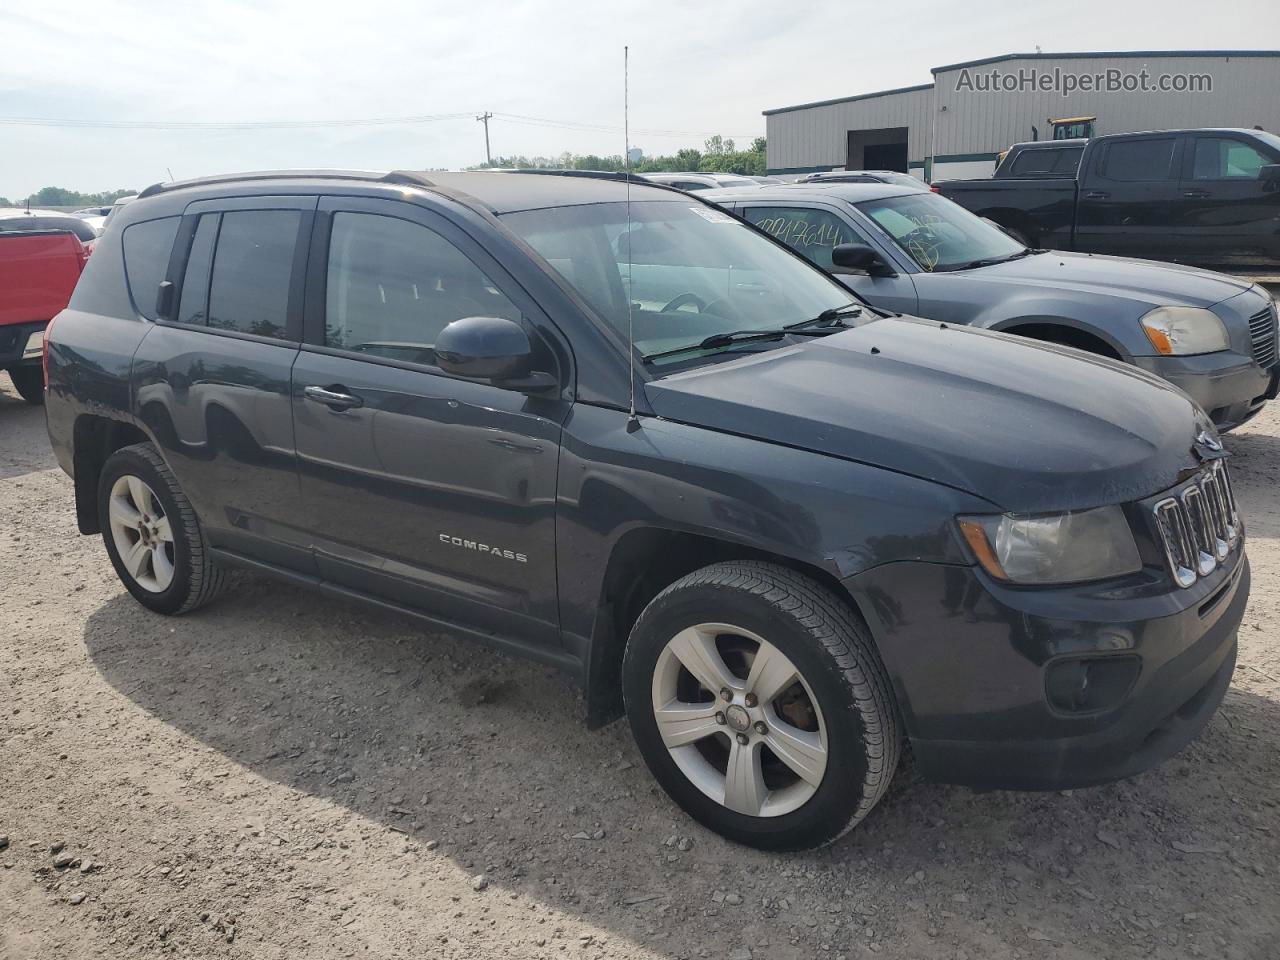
(1096, 195)
(335, 397)
(1195, 194)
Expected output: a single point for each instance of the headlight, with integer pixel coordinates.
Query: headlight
(1053, 548)
(1178, 331)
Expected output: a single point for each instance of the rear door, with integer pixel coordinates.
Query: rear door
(1126, 198)
(429, 491)
(1226, 214)
(813, 230)
(211, 379)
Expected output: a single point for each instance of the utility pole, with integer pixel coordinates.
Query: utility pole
(485, 118)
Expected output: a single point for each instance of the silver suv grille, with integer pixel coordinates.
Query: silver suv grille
(1262, 333)
(1199, 525)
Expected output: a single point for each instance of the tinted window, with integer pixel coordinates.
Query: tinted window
(940, 235)
(1042, 163)
(1138, 159)
(195, 280)
(810, 233)
(146, 260)
(393, 285)
(1218, 158)
(252, 266)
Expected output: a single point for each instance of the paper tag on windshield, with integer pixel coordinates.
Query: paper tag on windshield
(713, 216)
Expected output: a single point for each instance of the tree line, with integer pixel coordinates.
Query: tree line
(62, 197)
(719, 155)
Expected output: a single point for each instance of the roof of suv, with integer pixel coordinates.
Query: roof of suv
(499, 191)
(850, 192)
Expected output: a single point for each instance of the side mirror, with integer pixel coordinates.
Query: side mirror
(1269, 173)
(859, 256)
(493, 349)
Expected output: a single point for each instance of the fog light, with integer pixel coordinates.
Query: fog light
(1090, 685)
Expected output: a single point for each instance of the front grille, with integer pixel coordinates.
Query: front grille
(1262, 334)
(1199, 525)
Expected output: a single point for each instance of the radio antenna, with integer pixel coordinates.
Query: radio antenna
(633, 421)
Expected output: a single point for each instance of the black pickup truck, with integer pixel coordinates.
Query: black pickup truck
(1205, 197)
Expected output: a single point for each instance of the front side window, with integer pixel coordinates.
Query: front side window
(809, 232)
(393, 285)
(938, 234)
(688, 270)
(252, 267)
(1219, 158)
(147, 246)
(1138, 160)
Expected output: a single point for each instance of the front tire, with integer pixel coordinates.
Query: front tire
(760, 705)
(29, 382)
(152, 534)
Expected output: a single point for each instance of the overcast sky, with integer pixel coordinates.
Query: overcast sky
(696, 69)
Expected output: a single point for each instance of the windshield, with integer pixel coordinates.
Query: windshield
(694, 272)
(938, 234)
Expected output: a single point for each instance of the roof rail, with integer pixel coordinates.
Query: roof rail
(398, 176)
(619, 175)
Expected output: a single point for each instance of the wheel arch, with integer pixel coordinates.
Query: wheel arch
(643, 562)
(1067, 332)
(95, 438)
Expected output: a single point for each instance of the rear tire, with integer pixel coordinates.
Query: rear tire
(29, 382)
(801, 750)
(152, 534)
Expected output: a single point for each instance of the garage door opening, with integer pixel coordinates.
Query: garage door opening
(881, 149)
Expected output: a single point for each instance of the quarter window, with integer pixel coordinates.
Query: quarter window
(147, 247)
(252, 267)
(810, 233)
(1218, 158)
(393, 285)
(1135, 160)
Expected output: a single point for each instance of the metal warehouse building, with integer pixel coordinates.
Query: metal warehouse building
(957, 125)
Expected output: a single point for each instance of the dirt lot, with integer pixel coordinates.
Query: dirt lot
(282, 775)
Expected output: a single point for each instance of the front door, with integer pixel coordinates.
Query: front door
(1126, 199)
(429, 491)
(1227, 214)
(812, 230)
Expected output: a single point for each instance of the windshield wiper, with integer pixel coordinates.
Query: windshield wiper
(992, 261)
(732, 337)
(826, 317)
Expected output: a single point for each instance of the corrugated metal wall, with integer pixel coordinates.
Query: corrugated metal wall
(817, 136)
(1246, 91)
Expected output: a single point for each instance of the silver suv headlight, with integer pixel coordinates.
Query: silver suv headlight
(1053, 548)
(1179, 331)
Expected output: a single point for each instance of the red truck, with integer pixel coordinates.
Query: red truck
(41, 256)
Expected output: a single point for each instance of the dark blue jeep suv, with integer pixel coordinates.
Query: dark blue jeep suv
(609, 426)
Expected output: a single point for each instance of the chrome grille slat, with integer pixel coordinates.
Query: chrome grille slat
(1198, 524)
(1262, 335)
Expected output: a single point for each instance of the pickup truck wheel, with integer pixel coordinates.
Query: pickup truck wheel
(152, 535)
(29, 382)
(760, 705)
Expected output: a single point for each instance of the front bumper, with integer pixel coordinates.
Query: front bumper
(1229, 386)
(969, 660)
(13, 343)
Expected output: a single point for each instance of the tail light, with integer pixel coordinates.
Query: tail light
(44, 350)
(86, 248)
(934, 187)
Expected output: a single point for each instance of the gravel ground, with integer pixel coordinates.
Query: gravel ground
(283, 775)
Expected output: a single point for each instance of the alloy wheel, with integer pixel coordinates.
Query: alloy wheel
(141, 533)
(739, 720)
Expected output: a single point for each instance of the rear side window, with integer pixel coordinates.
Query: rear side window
(147, 247)
(195, 280)
(1135, 160)
(1044, 163)
(810, 233)
(252, 268)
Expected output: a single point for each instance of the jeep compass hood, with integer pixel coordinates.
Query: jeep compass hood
(1029, 426)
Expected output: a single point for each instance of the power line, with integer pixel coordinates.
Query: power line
(516, 118)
